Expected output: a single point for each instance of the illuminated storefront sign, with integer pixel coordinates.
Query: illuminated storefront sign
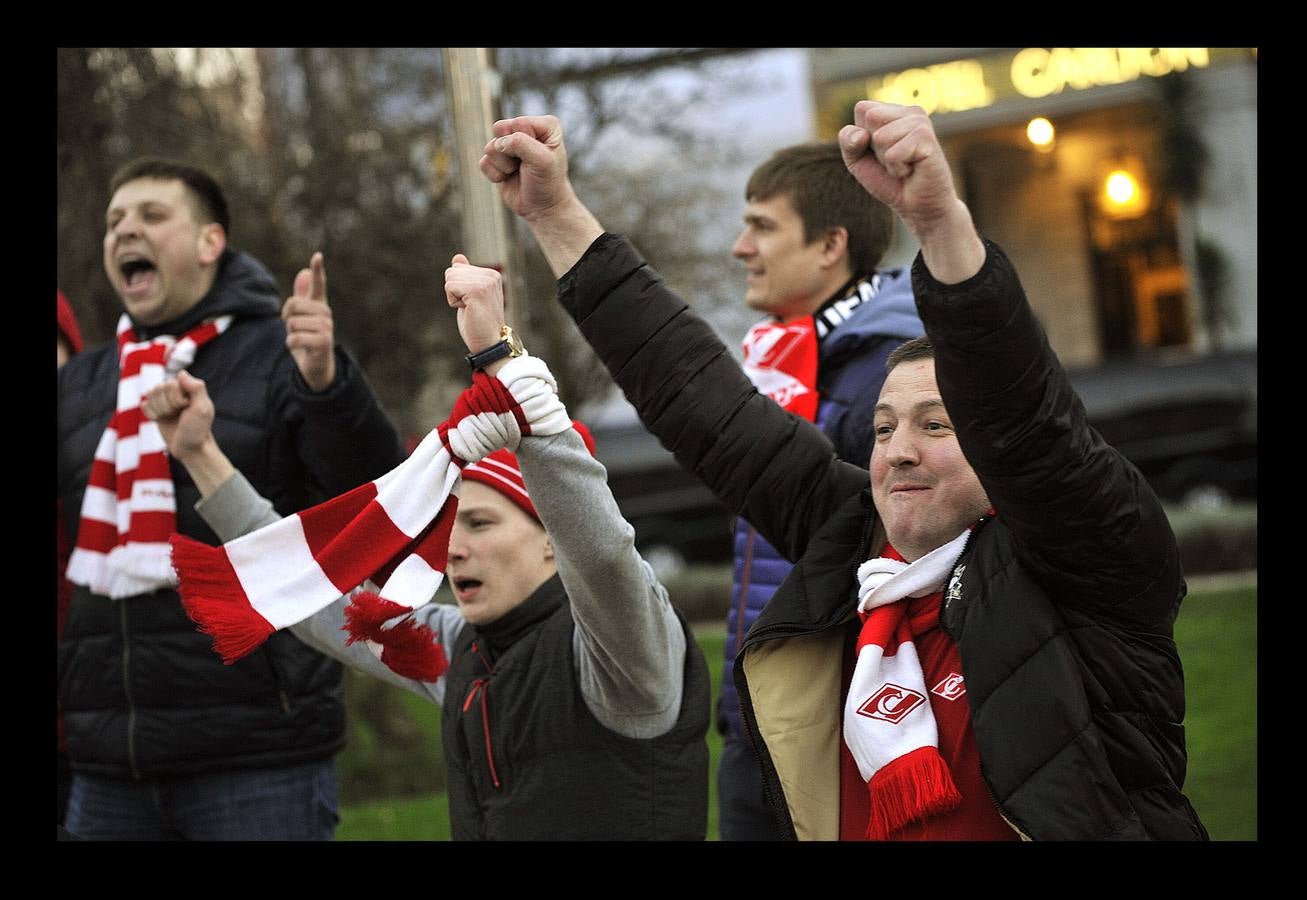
(947, 87)
(1037, 72)
(1033, 72)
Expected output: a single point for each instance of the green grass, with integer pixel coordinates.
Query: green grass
(1216, 632)
(396, 819)
(1217, 635)
(393, 748)
(712, 639)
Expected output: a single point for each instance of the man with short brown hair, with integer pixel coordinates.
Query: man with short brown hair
(165, 741)
(811, 245)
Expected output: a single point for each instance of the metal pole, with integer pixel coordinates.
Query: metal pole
(487, 239)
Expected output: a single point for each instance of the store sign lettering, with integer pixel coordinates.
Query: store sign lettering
(1034, 72)
(1037, 72)
(947, 87)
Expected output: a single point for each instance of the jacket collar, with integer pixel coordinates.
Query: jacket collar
(509, 628)
(884, 307)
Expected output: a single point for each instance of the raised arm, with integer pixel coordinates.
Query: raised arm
(1083, 519)
(528, 161)
(629, 644)
(685, 385)
(333, 393)
(893, 152)
(229, 504)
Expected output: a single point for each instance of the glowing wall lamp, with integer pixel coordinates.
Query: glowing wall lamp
(1040, 133)
(1123, 193)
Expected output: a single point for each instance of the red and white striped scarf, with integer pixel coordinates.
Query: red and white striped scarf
(888, 723)
(393, 532)
(130, 506)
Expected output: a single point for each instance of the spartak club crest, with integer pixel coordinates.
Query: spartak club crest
(891, 703)
(951, 688)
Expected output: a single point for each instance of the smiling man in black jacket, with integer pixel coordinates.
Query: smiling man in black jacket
(165, 741)
(978, 645)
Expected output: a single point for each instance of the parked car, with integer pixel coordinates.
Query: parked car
(677, 520)
(1190, 426)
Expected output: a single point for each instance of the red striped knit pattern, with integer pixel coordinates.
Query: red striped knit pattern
(129, 509)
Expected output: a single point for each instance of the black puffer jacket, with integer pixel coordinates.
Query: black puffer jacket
(142, 692)
(1062, 606)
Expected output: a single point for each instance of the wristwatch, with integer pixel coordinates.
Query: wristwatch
(509, 345)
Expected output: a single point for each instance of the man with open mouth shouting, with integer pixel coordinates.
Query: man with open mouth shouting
(164, 741)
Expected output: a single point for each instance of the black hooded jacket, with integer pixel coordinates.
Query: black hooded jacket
(1062, 606)
(142, 691)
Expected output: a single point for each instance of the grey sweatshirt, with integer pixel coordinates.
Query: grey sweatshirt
(629, 646)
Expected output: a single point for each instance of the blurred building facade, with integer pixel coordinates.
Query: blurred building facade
(1134, 223)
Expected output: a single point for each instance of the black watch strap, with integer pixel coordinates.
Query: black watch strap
(487, 356)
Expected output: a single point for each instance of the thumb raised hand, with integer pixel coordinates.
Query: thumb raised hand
(311, 283)
(310, 331)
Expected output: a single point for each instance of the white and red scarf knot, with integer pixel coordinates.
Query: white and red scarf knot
(130, 506)
(392, 532)
(888, 723)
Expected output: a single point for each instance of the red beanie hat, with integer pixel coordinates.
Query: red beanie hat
(68, 323)
(500, 471)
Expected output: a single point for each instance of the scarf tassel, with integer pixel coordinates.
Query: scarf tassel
(212, 597)
(409, 649)
(915, 786)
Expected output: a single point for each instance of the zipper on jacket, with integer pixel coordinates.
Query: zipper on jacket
(1002, 814)
(277, 680)
(127, 692)
(482, 686)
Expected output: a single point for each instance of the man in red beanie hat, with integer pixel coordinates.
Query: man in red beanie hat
(575, 699)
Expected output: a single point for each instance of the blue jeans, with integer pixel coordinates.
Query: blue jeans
(742, 813)
(295, 803)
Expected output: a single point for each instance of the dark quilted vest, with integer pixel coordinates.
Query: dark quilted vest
(529, 761)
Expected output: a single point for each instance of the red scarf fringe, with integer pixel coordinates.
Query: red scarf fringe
(915, 786)
(409, 649)
(212, 598)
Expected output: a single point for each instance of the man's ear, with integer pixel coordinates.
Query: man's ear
(549, 547)
(212, 241)
(834, 246)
